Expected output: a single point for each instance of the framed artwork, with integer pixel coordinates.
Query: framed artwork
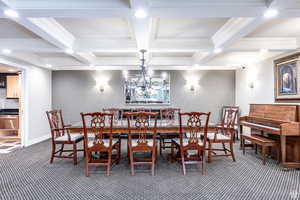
(2, 81)
(287, 80)
(158, 91)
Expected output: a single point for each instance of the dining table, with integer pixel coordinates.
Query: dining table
(121, 126)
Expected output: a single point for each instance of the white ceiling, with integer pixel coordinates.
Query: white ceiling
(178, 34)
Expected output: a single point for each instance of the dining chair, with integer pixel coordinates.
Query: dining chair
(142, 127)
(237, 119)
(224, 134)
(100, 125)
(168, 116)
(60, 135)
(193, 127)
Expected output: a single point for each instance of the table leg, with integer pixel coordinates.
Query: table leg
(241, 133)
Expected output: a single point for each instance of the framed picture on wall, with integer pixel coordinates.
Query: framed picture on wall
(287, 79)
(2, 81)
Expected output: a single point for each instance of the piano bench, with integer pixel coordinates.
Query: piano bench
(262, 141)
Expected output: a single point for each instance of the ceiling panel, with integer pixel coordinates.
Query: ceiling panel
(10, 29)
(108, 28)
(172, 54)
(116, 54)
(279, 28)
(187, 28)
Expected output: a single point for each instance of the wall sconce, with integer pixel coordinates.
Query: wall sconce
(192, 83)
(192, 88)
(101, 88)
(251, 85)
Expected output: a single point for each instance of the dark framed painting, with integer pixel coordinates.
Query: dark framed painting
(2, 81)
(287, 80)
(157, 93)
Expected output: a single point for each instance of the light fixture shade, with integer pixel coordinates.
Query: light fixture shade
(140, 13)
(11, 13)
(271, 13)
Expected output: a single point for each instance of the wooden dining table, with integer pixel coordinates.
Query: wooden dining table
(122, 127)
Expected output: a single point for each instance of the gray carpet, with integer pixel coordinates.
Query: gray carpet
(27, 174)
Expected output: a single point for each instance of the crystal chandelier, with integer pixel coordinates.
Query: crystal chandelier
(145, 78)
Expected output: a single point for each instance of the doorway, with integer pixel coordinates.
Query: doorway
(11, 107)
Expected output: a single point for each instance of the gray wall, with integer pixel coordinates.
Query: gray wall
(76, 91)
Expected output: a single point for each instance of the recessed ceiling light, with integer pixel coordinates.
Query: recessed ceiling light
(69, 51)
(48, 66)
(218, 50)
(12, 70)
(140, 13)
(264, 51)
(6, 51)
(164, 75)
(270, 13)
(11, 13)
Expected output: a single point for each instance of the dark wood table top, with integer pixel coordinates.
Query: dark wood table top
(122, 127)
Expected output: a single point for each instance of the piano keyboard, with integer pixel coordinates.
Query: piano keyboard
(260, 126)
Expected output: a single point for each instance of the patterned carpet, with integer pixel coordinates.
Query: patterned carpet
(26, 174)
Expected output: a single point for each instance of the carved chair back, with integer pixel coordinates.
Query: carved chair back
(228, 122)
(228, 115)
(117, 113)
(196, 127)
(143, 125)
(169, 115)
(56, 123)
(98, 126)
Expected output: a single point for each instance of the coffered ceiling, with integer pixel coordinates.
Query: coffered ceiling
(178, 34)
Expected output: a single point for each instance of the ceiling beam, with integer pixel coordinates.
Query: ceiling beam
(141, 27)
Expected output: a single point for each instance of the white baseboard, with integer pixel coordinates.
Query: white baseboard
(38, 140)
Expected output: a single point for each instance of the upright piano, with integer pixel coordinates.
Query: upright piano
(280, 122)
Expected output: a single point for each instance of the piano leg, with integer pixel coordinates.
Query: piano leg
(283, 149)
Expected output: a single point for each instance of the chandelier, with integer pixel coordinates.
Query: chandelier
(145, 77)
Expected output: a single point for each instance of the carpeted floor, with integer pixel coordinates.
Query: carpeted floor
(27, 174)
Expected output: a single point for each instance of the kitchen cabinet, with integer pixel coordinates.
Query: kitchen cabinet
(12, 87)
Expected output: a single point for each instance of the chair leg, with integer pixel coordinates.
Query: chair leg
(87, 158)
(61, 149)
(153, 161)
(52, 153)
(255, 148)
(108, 164)
(131, 163)
(75, 153)
(160, 146)
(182, 162)
(209, 151)
(243, 144)
(224, 148)
(231, 150)
(203, 162)
(84, 153)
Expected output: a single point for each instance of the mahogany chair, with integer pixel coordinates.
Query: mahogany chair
(142, 128)
(60, 135)
(237, 120)
(192, 137)
(168, 116)
(224, 134)
(102, 142)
